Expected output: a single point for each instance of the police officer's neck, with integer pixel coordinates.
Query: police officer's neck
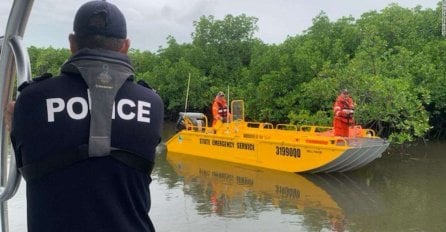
(75, 48)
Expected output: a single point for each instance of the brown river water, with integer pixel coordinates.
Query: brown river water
(404, 190)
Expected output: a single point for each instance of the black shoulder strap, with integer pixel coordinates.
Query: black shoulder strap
(143, 83)
(67, 158)
(25, 84)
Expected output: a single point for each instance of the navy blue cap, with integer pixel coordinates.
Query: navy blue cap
(100, 18)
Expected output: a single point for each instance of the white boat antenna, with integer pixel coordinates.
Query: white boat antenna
(187, 94)
(229, 102)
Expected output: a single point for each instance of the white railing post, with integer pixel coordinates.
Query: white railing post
(11, 48)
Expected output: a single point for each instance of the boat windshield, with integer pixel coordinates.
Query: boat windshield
(238, 110)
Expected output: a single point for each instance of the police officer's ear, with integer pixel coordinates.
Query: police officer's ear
(73, 44)
(125, 46)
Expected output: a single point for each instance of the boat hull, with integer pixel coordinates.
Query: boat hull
(285, 153)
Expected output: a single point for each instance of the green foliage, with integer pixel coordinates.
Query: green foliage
(305, 117)
(142, 61)
(226, 45)
(392, 61)
(47, 60)
(170, 80)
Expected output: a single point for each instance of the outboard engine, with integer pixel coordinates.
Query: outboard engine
(189, 121)
(181, 124)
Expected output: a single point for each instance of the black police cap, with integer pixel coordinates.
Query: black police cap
(100, 18)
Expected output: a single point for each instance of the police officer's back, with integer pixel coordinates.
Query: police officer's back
(85, 140)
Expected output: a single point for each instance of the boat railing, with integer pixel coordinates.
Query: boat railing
(324, 140)
(288, 127)
(255, 130)
(358, 131)
(308, 141)
(369, 133)
(259, 125)
(12, 51)
(311, 135)
(355, 131)
(281, 133)
(11, 181)
(314, 129)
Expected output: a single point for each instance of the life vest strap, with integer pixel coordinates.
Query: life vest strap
(67, 158)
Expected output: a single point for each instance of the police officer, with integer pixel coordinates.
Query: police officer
(85, 141)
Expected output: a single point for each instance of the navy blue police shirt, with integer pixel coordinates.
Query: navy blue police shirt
(96, 194)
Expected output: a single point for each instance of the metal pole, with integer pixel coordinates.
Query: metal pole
(16, 25)
(23, 74)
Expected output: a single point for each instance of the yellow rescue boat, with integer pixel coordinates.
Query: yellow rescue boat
(283, 147)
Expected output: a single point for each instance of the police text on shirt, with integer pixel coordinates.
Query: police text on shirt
(126, 109)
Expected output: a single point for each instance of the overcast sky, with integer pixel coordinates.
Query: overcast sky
(151, 21)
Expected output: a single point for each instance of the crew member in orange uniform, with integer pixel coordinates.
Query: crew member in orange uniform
(220, 110)
(343, 114)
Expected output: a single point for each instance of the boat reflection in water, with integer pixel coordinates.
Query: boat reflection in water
(323, 201)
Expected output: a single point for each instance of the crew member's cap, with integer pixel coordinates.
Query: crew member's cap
(100, 18)
(344, 91)
(220, 94)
